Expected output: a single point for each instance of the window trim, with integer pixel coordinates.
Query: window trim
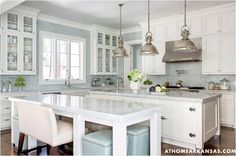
(43, 34)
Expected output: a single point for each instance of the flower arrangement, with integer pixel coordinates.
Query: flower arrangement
(136, 76)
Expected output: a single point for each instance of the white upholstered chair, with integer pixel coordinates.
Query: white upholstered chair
(40, 122)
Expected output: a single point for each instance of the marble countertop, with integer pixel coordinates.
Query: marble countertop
(75, 104)
(173, 95)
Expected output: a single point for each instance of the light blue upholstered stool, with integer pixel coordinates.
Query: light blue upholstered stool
(139, 140)
(100, 142)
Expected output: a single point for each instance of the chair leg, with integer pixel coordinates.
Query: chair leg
(20, 143)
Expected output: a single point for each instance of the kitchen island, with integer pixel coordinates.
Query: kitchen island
(117, 114)
(188, 119)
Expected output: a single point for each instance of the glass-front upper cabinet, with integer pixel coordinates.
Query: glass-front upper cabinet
(12, 21)
(100, 60)
(108, 60)
(107, 40)
(12, 53)
(100, 38)
(114, 63)
(28, 24)
(28, 53)
(114, 41)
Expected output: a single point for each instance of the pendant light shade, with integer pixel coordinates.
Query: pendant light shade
(185, 44)
(148, 48)
(120, 50)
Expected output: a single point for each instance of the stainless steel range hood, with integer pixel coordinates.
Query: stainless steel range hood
(172, 56)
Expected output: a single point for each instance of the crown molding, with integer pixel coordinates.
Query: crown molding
(131, 29)
(191, 14)
(61, 21)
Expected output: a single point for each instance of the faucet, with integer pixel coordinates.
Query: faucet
(68, 78)
(118, 81)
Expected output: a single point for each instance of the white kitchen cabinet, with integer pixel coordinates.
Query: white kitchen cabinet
(152, 64)
(218, 55)
(210, 54)
(227, 55)
(227, 110)
(171, 31)
(218, 43)
(195, 25)
(103, 46)
(19, 48)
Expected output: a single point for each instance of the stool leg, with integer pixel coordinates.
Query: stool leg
(20, 143)
(48, 149)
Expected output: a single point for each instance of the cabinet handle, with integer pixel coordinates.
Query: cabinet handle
(6, 119)
(163, 118)
(192, 109)
(192, 135)
(7, 108)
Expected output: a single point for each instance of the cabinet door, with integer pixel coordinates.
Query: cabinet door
(12, 54)
(211, 24)
(171, 31)
(100, 58)
(29, 55)
(227, 54)
(227, 22)
(178, 121)
(158, 33)
(195, 25)
(12, 23)
(114, 63)
(108, 60)
(227, 109)
(210, 54)
(100, 38)
(159, 66)
(28, 24)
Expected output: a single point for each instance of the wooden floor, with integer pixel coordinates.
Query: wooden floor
(225, 141)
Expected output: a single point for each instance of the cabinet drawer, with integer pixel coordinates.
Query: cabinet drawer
(227, 98)
(5, 107)
(5, 121)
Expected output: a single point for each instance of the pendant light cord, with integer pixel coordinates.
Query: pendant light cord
(120, 18)
(185, 12)
(148, 16)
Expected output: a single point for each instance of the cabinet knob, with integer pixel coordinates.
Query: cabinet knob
(163, 118)
(192, 109)
(6, 119)
(7, 108)
(192, 135)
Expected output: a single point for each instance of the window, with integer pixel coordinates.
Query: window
(62, 57)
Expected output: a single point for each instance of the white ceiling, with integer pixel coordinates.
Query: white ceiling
(107, 12)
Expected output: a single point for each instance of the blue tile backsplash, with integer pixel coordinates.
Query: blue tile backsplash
(192, 70)
(33, 81)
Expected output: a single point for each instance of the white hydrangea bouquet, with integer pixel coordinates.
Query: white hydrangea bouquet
(136, 78)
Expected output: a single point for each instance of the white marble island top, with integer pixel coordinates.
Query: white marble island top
(172, 95)
(79, 104)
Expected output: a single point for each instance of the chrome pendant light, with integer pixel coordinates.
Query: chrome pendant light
(148, 48)
(185, 44)
(120, 50)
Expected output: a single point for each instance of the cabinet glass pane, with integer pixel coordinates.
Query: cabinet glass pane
(100, 38)
(12, 42)
(12, 21)
(114, 41)
(100, 60)
(28, 54)
(28, 24)
(107, 60)
(107, 39)
(114, 63)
